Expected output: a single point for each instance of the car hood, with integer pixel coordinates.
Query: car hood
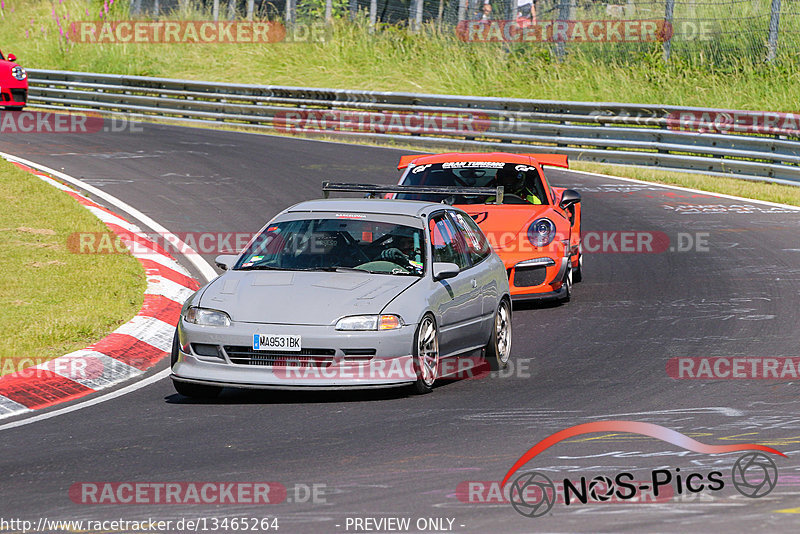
(306, 298)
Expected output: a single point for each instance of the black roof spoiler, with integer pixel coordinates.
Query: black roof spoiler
(371, 190)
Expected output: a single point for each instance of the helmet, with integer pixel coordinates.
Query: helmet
(510, 178)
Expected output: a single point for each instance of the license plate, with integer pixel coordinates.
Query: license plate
(279, 343)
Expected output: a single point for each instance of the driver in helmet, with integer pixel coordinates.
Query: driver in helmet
(403, 252)
(514, 183)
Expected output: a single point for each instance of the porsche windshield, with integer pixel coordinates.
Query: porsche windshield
(521, 183)
(337, 244)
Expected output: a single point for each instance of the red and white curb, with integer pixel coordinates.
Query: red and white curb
(127, 352)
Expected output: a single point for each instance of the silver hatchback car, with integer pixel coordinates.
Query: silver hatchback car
(344, 293)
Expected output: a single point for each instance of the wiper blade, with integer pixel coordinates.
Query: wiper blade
(261, 268)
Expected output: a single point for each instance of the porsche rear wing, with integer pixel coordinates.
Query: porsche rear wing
(371, 190)
(552, 160)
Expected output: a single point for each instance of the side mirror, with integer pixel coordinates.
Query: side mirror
(568, 198)
(225, 261)
(443, 270)
(12, 57)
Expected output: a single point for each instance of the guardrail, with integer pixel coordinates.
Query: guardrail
(753, 145)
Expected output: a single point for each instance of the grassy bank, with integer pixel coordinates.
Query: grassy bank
(55, 301)
(393, 59)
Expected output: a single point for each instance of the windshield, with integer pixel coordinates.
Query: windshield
(521, 183)
(337, 244)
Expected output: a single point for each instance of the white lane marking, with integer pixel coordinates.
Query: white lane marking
(150, 330)
(158, 285)
(688, 189)
(8, 406)
(85, 404)
(203, 266)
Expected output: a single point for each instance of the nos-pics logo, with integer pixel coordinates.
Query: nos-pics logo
(533, 494)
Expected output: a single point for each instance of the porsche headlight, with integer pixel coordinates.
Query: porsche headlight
(369, 322)
(19, 73)
(541, 232)
(206, 317)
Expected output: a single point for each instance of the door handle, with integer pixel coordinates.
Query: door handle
(474, 283)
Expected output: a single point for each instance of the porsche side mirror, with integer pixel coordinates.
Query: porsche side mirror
(12, 57)
(444, 270)
(568, 198)
(225, 261)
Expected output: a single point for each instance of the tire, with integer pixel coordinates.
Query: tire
(14, 108)
(498, 349)
(196, 391)
(567, 284)
(577, 272)
(173, 355)
(426, 355)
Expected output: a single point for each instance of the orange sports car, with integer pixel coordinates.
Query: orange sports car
(534, 227)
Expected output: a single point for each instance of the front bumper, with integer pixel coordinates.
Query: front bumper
(540, 283)
(329, 359)
(14, 95)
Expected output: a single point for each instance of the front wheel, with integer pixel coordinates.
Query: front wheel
(498, 350)
(426, 355)
(567, 284)
(577, 272)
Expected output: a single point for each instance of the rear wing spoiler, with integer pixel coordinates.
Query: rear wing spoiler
(371, 190)
(552, 160)
(405, 160)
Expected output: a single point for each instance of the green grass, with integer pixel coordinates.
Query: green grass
(432, 61)
(55, 301)
(783, 194)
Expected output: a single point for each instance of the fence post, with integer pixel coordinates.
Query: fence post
(415, 15)
(328, 10)
(564, 14)
(290, 7)
(670, 8)
(231, 9)
(462, 9)
(215, 10)
(250, 8)
(373, 14)
(774, 24)
(353, 9)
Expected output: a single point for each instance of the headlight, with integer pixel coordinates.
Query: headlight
(541, 232)
(369, 322)
(19, 73)
(205, 317)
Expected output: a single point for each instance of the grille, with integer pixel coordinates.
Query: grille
(19, 95)
(243, 355)
(529, 276)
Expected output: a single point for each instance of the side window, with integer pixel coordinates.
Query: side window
(478, 247)
(446, 242)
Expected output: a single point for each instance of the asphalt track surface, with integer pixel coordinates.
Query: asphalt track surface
(385, 454)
